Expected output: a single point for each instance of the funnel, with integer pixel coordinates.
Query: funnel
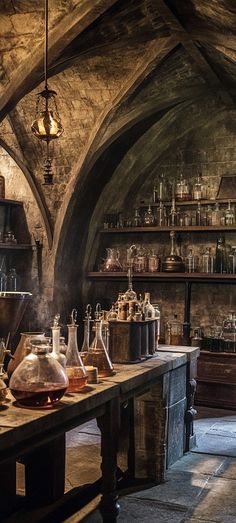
(12, 309)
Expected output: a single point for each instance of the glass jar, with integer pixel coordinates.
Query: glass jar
(216, 214)
(182, 190)
(174, 332)
(153, 262)
(229, 215)
(208, 261)
(198, 189)
(148, 219)
(191, 262)
(232, 260)
(221, 256)
(196, 340)
(39, 381)
(140, 260)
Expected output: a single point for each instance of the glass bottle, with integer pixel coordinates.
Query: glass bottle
(216, 214)
(173, 213)
(182, 191)
(191, 262)
(86, 340)
(56, 352)
(174, 332)
(208, 215)
(148, 217)
(153, 262)
(159, 190)
(39, 381)
(148, 308)
(232, 260)
(27, 339)
(137, 221)
(199, 214)
(3, 281)
(12, 281)
(161, 215)
(229, 215)
(197, 189)
(97, 355)
(140, 260)
(111, 263)
(208, 261)
(74, 366)
(158, 323)
(221, 256)
(196, 340)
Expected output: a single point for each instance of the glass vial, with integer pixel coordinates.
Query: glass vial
(56, 350)
(74, 366)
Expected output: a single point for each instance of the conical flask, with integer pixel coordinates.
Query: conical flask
(56, 352)
(39, 381)
(74, 366)
(97, 354)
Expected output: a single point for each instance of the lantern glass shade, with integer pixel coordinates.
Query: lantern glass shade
(47, 126)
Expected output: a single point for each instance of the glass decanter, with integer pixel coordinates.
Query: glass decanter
(97, 355)
(74, 366)
(182, 191)
(56, 350)
(112, 263)
(39, 381)
(229, 215)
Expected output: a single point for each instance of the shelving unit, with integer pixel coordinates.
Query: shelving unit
(190, 202)
(197, 277)
(184, 228)
(15, 247)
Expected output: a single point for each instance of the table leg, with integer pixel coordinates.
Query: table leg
(45, 471)
(8, 487)
(109, 425)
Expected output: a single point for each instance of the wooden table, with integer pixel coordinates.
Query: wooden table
(38, 436)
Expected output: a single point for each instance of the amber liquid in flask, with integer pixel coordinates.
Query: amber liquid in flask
(75, 369)
(97, 354)
(39, 381)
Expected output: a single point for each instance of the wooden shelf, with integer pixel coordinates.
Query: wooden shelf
(16, 246)
(164, 276)
(4, 201)
(190, 202)
(189, 228)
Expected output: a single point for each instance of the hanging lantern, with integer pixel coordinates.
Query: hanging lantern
(47, 124)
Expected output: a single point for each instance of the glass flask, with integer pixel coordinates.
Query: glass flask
(153, 262)
(191, 262)
(208, 215)
(148, 219)
(229, 215)
(159, 190)
(232, 260)
(87, 321)
(39, 381)
(208, 261)
(221, 256)
(97, 355)
(3, 281)
(111, 263)
(182, 190)
(174, 332)
(173, 262)
(24, 347)
(56, 350)
(74, 366)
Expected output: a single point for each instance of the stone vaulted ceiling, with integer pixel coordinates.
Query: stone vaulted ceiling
(113, 64)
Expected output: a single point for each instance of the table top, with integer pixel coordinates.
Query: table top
(18, 425)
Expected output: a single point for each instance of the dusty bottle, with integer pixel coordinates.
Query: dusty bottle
(221, 256)
(148, 308)
(174, 332)
(39, 381)
(74, 366)
(97, 354)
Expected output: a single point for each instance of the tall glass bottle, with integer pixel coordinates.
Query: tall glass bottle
(87, 321)
(208, 261)
(221, 256)
(199, 214)
(97, 355)
(149, 217)
(173, 213)
(229, 215)
(56, 351)
(74, 366)
(216, 214)
(148, 308)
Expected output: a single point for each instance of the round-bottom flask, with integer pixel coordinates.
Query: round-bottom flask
(97, 354)
(39, 381)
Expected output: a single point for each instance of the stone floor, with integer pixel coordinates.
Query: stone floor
(199, 488)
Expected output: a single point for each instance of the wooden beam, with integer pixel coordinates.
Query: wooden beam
(189, 45)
